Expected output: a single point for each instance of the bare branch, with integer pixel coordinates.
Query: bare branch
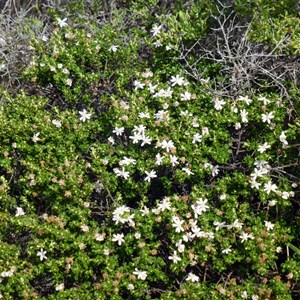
(245, 66)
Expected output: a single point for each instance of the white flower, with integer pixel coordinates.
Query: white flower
(130, 287)
(147, 74)
(84, 115)
(269, 225)
(205, 131)
(168, 145)
(150, 175)
(175, 258)
(215, 171)
(140, 274)
(121, 173)
(127, 161)
(285, 195)
(139, 129)
(69, 82)
(187, 171)
(244, 295)
(254, 297)
(158, 159)
(219, 225)
(119, 238)
(186, 113)
(254, 183)
(272, 203)
(259, 173)
(219, 104)
(138, 85)
(208, 165)
(137, 235)
(197, 138)
(144, 115)
(267, 118)
(118, 130)
(124, 105)
(177, 224)
(192, 277)
(136, 137)
(157, 44)
(269, 187)
(236, 224)
(20, 212)
(199, 207)
(282, 138)
(195, 123)
(177, 80)
(111, 140)
(223, 197)
(145, 140)
(244, 115)
(162, 115)
(227, 250)
(42, 254)
(164, 93)
(261, 164)
(165, 204)
(180, 246)
(35, 137)
(245, 236)
(121, 214)
(60, 287)
(209, 235)
(186, 96)
(106, 252)
(165, 106)
(263, 148)
(245, 99)
(174, 160)
(278, 249)
(56, 123)
(82, 246)
(84, 228)
(169, 47)
(264, 100)
(99, 237)
(237, 126)
(145, 211)
(9, 273)
(156, 30)
(188, 237)
(139, 135)
(113, 48)
(152, 88)
(62, 22)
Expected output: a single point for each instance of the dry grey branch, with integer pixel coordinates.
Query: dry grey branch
(20, 20)
(244, 65)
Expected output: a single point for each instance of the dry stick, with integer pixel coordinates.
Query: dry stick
(243, 62)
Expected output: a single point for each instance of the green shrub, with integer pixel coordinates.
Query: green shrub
(134, 181)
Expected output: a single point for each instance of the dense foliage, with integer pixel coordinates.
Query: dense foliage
(143, 158)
